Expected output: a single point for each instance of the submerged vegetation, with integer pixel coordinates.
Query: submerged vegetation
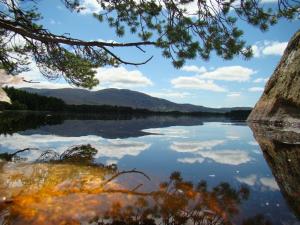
(70, 179)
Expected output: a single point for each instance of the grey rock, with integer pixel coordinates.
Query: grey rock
(280, 101)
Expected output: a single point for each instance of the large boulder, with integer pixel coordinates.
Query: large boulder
(280, 101)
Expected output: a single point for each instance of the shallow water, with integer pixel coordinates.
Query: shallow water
(246, 175)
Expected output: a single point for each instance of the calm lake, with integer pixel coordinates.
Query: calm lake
(147, 170)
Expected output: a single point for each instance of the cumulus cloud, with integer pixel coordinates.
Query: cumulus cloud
(169, 132)
(260, 80)
(266, 48)
(228, 157)
(196, 83)
(204, 80)
(191, 160)
(39, 81)
(169, 94)
(194, 146)
(194, 69)
(229, 73)
(254, 143)
(120, 77)
(90, 6)
(232, 137)
(202, 150)
(191, 8)
(54, 22)
(256, 89)
(265, 182)
(234, 94)
(249, 180)
(112, 149)
(275, 48)
(269, 183)
(119, 148)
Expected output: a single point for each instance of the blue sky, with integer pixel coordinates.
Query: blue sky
(213, 83)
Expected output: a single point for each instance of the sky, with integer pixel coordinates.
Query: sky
(213, 83)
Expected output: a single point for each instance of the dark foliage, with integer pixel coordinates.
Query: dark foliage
(22, 100)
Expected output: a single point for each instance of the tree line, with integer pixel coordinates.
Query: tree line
(23, 100)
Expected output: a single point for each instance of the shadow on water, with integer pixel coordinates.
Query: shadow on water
(12, 122)
(71, 188)
(281, 150)
(106, 126)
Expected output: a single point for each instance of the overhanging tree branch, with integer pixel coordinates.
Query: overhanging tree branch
(168, 25)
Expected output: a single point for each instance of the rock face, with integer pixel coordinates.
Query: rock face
(280, 101)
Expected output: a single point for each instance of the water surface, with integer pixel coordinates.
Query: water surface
(177, 170)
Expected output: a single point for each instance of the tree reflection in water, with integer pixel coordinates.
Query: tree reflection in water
(71, 189)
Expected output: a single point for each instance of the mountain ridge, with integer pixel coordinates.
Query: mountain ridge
(124, 97)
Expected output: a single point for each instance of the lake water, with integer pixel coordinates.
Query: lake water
(152, 170)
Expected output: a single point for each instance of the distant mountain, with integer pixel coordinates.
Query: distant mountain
(123, 97)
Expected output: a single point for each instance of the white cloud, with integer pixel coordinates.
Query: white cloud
(169, 132)
(15, 40)
(256, 89)
(107, 41)
(275, 48)
(256, 51)
(44, 85)
(120, 77)
(196, 83)
(249, 180)
(191, 160)
(269, 183)
(266, 182)
(229, 73)
(90, 6)
(228, 157)
(260, 80)
(195, 146)
(254, 143)
(232, 137)
(204, 80)
(54, 22)
(268, 48)
(169, 94)
(234, 94)
(201, 150)
(195, 69)
(119, 148)
(113, 149)
(39, 81)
